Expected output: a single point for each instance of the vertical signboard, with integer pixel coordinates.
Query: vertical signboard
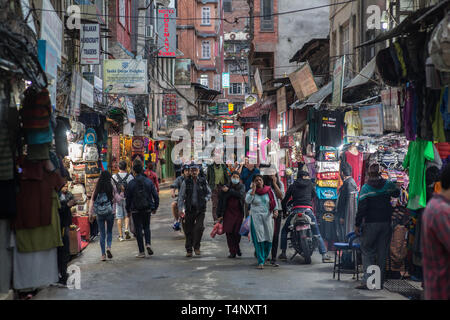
(281, 99)
(90, 43)
(170, 104)
(167, 32)
(51, 28)
(130, 110)
(338, 81)
(87, 93)
(225, 80)
(75, 94)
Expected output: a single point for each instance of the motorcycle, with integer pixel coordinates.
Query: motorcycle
(300, 234)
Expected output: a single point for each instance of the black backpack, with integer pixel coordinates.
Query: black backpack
(121, 182)
(141, 201)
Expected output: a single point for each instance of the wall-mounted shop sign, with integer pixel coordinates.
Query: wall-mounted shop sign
(372, 119)
(225, 80)
(87, 93)
(51, 28)
(281, 99)
(183, 72)
(303, 81)
(127, 76)
(90, 44)
(167, 41)
(338, 81)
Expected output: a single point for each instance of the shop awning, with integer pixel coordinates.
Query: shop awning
(364, 76)
(251, 111)
(297, 127)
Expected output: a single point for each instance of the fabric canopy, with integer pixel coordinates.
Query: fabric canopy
(364, 75)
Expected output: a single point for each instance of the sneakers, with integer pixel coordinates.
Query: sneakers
(282, 256)
(239, 253)
(176, 226)
(149, 251)
(127, 235)
(197, 252)
(108, 253)
(121, 239)
(140, 255)
(327, 259)
(188, 254)
(362, 287)
(232, 256)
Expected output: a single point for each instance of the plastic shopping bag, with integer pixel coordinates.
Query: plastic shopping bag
(217, 229)
(245, 227)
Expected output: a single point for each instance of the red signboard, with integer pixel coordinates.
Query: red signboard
(170, 104)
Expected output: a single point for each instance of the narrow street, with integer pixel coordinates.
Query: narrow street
(168, 274)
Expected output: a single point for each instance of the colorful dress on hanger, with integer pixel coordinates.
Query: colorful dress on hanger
(356, 162)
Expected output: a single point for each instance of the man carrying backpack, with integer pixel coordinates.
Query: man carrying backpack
(121, 180)
(142, 200)
(194, 193)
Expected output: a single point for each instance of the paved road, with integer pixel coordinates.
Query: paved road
(168, 274)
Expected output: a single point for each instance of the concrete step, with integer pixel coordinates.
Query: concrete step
(7, 296)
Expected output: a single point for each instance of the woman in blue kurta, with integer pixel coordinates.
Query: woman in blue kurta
(262, 212)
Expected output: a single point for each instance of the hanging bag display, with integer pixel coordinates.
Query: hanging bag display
(90, 152)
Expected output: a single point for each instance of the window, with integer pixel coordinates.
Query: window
(267, 12)
(204, 80)
(227, 6)
(247, 88)
(236, 67)
(206, 50)
(206, 16)
(235, 88)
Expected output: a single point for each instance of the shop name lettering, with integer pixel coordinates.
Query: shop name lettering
(166, 33)
(329, 122)
(124, 71)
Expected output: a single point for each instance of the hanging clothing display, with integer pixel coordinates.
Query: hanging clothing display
(418, 152)
(356, 162)
(330, 127)
(353, 125)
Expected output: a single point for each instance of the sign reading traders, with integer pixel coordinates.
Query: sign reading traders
(167, 32)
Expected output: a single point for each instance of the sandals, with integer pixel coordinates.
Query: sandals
(260, 266)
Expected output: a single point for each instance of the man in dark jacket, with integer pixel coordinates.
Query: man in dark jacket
(217, 177)
(142, 200)
(302, 192)
(373, 221)
(194, 194)
(347, 192)
(176, 186)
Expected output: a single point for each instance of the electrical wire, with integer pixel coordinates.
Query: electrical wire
(236, 19)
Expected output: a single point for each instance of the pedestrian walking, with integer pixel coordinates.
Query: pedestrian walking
(192, 199)
(217, 177)
(142, 201)
(263, 210)
(102, 208)
(373, 221)
(302, 192)
(176, 186)
(231, 212)
(346, 204)
(436, 242)
(121, 180)
(152, 175)
(272, 180)
(247, 174)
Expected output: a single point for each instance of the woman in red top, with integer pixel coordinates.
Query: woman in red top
(152, 175)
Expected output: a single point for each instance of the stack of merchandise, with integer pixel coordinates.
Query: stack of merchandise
(327, 182)
(85, 171)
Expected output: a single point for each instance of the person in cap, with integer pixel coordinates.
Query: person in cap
(344, 218)
(217, 177)
(192, 199)
(373, 221)
(176, 186)
(302, 192)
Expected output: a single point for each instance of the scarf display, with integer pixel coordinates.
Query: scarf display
(268, 190)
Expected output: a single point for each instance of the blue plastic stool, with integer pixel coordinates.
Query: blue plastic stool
(342, 247)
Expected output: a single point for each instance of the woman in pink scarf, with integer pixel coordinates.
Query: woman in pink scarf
(263, 210)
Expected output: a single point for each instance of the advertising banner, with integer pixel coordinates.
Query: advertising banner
(170, 104)
(338, 81)
(87, 94)
(126, 76)
(90, 43)
(98, 86)
(303, 82)
(225, 80)
(372, 119)
(183, 72)
(167, 33)
(258, 83)
(250, 99)
(51, 28)
(75, 94)
(130, 110)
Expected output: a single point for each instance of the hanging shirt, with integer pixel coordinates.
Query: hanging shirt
(356, 162)
(330, 124)
(409, 115)
(418, 152)
(353, 123)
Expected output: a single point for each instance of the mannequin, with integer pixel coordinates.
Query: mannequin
(355, 159)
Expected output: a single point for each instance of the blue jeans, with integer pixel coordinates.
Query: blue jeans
(105, 234)
(314, 229)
